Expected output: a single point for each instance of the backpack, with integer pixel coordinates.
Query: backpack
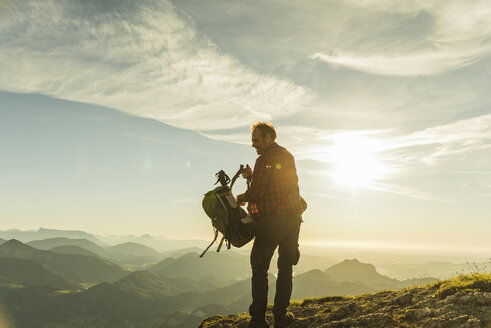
(225, 214)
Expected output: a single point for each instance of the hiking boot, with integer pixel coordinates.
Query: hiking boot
(285, 321)
(258, 323)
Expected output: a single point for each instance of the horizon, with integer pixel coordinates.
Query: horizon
(115, 116)
(316, 247)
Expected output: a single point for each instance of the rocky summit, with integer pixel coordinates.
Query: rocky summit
(463, 302)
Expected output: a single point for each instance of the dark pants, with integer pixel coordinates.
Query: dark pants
(271, 232)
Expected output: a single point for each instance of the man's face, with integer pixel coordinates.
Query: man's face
(259, 142)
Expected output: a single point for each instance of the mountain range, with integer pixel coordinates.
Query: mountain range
(400, 266)
(67, 285)
(130, 255)
(161, 244)
(228, 265)
(48, 243)
(29, 273)
(76, 267)
(155, 285)
(42, 233)
(72, 250)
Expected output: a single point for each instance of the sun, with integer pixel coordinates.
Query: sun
(355, 163)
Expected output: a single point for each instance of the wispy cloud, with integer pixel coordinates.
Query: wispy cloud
(331, 196)
(460, 36)
(405, 191)
(142, 58)
(450, 139)
(238, 138)
(309, 143)
(422, 63)
(395, 153)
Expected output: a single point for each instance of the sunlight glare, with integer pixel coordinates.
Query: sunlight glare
(355, 162)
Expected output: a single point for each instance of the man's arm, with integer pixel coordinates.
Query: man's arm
(258, 184)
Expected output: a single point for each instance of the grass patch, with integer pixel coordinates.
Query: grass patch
(62, 291)
(327, 299)
(474, 281)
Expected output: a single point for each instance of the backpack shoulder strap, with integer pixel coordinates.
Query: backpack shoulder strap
(207, 248)
(220, 245)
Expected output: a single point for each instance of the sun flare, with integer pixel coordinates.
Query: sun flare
(355, 163)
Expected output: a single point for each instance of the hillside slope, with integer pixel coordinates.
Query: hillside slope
(72, 250)
(365, 273)
(226, 265)
(29, 273)
(78, 268)
(464, 301)
(152, 285)
(134, 249)
(41, 233)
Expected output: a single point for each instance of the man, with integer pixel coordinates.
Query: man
(275, 204)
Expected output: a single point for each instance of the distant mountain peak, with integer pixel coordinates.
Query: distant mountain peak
(44, 233)
(131, 243)
(355, 271)
(351, 264)
(351, 261)
(76, 267)
(41, 229)
(14, 243)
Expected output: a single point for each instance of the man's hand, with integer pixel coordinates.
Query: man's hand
(241, 199)
(247, 173)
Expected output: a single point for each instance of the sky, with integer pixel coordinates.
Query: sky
(115, 115)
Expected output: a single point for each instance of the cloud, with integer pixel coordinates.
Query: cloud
(310, 143)
(238, 138)
(404, 191)
(423, 63)
(280, 37)
(147, 59)
(142, 58)
(461, 36)
(459, 137)
(393, 153)
(331, 196)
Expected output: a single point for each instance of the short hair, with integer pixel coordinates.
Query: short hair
(265, 129)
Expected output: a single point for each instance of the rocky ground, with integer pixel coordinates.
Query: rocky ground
(464, 302)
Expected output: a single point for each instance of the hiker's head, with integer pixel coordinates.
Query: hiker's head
(263, 135)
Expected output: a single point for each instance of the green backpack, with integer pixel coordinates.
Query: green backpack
(225, 214)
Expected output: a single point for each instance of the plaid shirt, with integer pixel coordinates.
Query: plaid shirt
(274, 188)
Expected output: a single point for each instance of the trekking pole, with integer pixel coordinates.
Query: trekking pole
(241, 169)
